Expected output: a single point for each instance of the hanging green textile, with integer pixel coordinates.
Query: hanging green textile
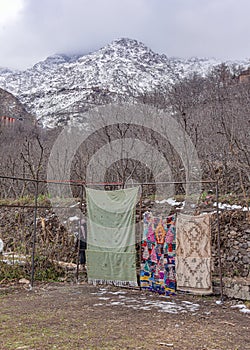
(111, 254)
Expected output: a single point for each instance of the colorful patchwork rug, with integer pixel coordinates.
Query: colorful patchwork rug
(158, 254)
(193, 254)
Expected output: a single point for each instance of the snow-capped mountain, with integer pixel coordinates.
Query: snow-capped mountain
(61, 88)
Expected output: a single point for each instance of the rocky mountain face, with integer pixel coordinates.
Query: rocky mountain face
(60, 89)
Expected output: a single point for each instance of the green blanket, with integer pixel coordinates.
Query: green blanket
(111, 255)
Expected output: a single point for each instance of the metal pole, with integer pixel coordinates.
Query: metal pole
(34, 237)
(81, 198)
(78, 251)
(79, 234)
(219, 240)
(140, 242)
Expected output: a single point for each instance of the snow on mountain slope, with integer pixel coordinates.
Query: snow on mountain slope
(61, 88)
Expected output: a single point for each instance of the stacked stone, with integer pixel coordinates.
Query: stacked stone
(235, 244)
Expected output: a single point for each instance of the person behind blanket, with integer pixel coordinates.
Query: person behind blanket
(82, 245)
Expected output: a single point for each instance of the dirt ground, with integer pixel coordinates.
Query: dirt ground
(80, 316)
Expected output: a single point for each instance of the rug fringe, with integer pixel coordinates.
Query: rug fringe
(113, 283)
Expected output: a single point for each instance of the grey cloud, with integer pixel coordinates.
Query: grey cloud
(214, 28)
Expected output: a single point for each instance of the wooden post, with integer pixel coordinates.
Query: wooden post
(219, 240)
(34, 237)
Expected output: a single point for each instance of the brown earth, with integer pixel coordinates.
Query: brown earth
(80, 316)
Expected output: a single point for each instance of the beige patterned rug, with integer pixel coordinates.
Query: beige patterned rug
(193, 254)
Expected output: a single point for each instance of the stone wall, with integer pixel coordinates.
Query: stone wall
(235, 244)
(235, 254)
(237, 287)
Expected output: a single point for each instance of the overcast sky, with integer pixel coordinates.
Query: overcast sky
(31, 30)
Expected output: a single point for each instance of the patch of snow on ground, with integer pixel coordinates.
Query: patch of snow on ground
(245, 311)
(170, 201)
(74, 218)
(224, 206)
(74, 205)
(242, 308)
(230, 207)
(142, 303)
(99, 293)
(238, 306)
(116, 303)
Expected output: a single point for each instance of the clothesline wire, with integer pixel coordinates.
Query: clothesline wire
(81, 183)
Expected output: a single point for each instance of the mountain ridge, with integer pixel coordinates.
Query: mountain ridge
(60, 89)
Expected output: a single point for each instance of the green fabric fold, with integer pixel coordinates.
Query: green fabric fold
(111, 253)
(111, 266)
